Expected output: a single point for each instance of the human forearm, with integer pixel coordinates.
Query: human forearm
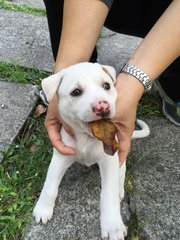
(161, 46)
(156, 52)
(82, 23)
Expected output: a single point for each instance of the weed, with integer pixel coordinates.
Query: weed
(15, 73)
(150, 105)
(21, 8)
(21, 176)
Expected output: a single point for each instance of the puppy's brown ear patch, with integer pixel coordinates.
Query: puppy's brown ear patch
(106, 131)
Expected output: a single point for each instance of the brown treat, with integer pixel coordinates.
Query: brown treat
(105, 131)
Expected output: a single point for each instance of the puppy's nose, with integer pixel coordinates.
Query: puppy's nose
(101, 109)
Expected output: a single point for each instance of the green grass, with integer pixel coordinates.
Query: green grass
(21, 8)
(21, 176)
(150, 105)
(18, 74)
(21, 172)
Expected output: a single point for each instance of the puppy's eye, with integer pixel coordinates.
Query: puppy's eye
(106, 86)
(76, 92)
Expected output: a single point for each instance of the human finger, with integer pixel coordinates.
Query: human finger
(56, 141)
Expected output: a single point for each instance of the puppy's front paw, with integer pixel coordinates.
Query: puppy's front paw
(42, 212)
(113, 230)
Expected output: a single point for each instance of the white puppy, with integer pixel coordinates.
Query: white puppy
(86, 93)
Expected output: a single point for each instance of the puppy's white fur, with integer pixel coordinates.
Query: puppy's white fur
(77, 111)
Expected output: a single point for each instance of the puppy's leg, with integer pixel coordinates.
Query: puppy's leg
(122, 172)
(112, 226)
(44, 207)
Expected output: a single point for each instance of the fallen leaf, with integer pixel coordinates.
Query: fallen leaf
(40, 109)
(105, 131)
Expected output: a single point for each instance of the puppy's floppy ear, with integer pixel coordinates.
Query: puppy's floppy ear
(51, 84)
(110, 71)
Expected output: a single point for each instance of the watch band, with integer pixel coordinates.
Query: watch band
(139, 74)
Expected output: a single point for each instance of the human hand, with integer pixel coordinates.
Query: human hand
(129, 91)
(53, 125)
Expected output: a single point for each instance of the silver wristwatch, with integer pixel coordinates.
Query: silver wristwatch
(139, 74)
